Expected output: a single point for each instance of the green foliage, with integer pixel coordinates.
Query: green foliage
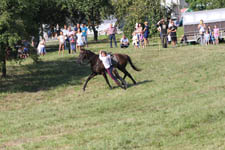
(131, 12)
(52, 12)
(205, 4)
(89, 11)
(16, 23)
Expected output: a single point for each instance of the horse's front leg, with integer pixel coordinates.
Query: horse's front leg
(106, 79)
(89, 78)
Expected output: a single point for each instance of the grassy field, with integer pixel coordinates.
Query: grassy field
(178, 103)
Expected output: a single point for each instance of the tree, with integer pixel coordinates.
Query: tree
(16, 23)
(51, 12)
(131, 12)
(91, 11)
(205, 4)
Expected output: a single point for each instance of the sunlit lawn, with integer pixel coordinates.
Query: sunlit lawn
(178, 102)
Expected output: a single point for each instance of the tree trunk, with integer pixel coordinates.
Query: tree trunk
(95, 33)
(3, 68)
(42, 31)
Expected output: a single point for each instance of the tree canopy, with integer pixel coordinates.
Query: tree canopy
(205, 4)
(16, 23)
(91, 12)
(130, 12)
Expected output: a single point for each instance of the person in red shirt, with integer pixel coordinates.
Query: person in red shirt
(111, 31)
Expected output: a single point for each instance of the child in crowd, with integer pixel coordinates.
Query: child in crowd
(26, 48)
(73, 43)
(207, 37)
(141, 41)
(41, 47)
(20, 52)
(213, 38)
(61, 39)
(183, 40)
(210, 34)
(135, 40)
(216, 34)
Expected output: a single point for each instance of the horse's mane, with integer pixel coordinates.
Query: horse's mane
(90, 52)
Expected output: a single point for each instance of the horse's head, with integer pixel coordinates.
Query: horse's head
(84, 55)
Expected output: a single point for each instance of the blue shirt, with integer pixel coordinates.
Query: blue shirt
(84, 31)
(146, 30)
(75, 29)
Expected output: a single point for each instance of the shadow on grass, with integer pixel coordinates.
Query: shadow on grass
(139, 83)
(45, 75)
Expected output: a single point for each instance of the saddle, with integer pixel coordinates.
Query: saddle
(114, 60)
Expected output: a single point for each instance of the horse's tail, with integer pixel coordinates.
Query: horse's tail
(132, 65)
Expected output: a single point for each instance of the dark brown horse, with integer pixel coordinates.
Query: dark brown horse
(97, 67)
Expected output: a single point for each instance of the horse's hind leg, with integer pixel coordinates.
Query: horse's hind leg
(126, 73)
(107, 81)
(120, 78)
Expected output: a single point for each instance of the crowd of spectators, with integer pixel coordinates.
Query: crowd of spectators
(207, 34)
(72, 39)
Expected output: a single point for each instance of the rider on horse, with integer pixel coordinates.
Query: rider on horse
(107, 62)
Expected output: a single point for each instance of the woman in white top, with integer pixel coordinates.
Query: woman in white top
(106, 60)
(61, 39)
(201, 28)
(80, 42)
(139, 31)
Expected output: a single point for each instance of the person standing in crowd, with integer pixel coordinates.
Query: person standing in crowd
(84, 30)
(210, 34)
(173, 33)
(73, 43)
(26, 46)
(212, 38)
(61, 39)
(164, 27)
(77, 27)
(134, 40)
(169, 36)
(216, 34)
(111, 31)
(80, 42)
(124, 42)
(146, 33)
(41, 47)
(65, 33)
(207, 37)
(139, 32)
(69, 33)
(201, 28)
(57, 31)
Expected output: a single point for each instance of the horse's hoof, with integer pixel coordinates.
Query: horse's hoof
(123, 87)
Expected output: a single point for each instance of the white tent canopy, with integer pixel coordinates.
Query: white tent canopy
(208, 16)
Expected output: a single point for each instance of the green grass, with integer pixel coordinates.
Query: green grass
(177, 104)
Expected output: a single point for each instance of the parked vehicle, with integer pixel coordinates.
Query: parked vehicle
(210, 18)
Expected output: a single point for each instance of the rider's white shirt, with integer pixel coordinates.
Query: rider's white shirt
(106, 61)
